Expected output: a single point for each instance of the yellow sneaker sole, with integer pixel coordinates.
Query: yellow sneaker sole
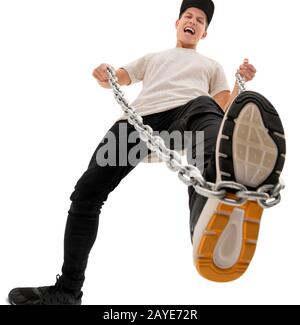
(229, 241)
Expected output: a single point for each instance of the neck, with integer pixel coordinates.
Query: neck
(186, 46)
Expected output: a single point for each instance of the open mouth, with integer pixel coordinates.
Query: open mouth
(189, 30)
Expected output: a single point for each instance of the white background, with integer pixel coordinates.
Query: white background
(54, 114)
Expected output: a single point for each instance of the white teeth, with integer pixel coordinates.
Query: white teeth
(189, 29)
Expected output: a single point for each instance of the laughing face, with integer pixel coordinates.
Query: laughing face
(191, 28)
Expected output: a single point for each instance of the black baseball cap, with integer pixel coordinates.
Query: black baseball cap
(205, 5)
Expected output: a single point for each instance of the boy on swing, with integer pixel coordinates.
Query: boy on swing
(243, 143)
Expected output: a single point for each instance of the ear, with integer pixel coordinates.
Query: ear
(176, 23)
(204, 35)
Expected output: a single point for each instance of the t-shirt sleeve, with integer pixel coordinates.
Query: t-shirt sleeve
(136, 69)
(218, 81)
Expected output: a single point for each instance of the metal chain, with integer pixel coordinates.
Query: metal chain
(267, 195)
(241, 82)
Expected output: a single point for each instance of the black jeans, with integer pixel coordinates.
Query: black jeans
(94, 186)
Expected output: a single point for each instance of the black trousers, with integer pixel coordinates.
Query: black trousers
(94, 186)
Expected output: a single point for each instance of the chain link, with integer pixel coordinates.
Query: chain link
(267, 195)
(241, 82)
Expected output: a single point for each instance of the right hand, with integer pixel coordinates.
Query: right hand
(100, 73)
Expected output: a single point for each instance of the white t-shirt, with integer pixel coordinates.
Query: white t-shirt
(172, 78)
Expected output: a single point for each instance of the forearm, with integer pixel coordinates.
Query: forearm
(233, 95)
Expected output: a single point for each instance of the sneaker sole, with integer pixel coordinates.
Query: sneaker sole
(251, 151)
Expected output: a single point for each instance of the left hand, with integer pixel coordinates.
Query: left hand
(247, 70)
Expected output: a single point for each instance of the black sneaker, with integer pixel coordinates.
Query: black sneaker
(250, 150)
(52, 295)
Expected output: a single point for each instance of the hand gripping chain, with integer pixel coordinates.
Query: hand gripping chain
(267, 195)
